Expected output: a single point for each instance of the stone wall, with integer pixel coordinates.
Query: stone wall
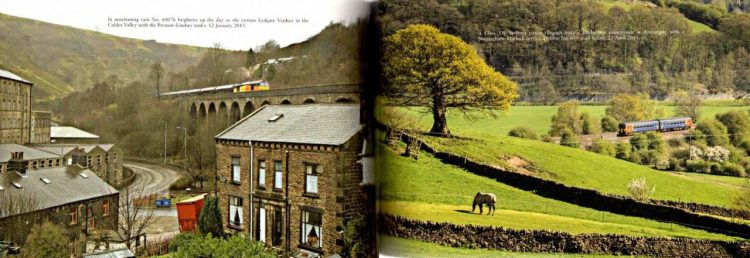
(592, 198)
(499, 238)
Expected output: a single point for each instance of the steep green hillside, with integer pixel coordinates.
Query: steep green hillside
(61, 59)
(580, 168)
(427, 189)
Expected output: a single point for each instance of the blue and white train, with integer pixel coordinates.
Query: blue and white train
(661, 125)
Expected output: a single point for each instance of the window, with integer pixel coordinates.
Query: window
(277, 175)
(90, 216)
(73, 216)
(105, 207)
(311, 229)
(235, 211)
(262, 173)
(311, 178)
(276, 226)
(236, 170)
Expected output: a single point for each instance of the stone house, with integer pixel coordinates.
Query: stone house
(290, 176)
(37, 159)
(103, 159)
(15, 108)
(69, 196)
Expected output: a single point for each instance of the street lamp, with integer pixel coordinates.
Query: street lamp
(184, 145)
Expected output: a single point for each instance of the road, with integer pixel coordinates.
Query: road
(154, 179)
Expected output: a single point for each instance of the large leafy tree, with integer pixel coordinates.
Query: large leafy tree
(627, 108)
(423, 66)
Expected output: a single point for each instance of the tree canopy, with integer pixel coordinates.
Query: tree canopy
(423, 66)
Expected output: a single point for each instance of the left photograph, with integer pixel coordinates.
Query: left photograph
(186, 129)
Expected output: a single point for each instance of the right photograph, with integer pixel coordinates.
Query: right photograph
(567, 128)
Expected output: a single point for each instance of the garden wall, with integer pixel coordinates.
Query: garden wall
(658, 210)
(499, 238)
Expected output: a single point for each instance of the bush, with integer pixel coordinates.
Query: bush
(46, 240)
(181, 184)
(699, 166)
(732, 169)
(547, 138)
(623, 150)
(737, 124)
(589, 125)
(567, 118)
(569, 139)
(604, 147)
(640, 190)
(656, 142)
(745, 146)
(209, 222)
(523, 132)
(210, 246)
(639, 142)
(714, 132)
(610, 124)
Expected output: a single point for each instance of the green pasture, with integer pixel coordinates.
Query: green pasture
(427, 189)
(580, 168)
(538, 118)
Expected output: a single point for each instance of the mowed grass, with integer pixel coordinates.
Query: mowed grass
(427, 189)
(400, 247)
(580, 168)
(538, 118)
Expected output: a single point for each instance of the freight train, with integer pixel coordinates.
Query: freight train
(259, 85)
(660, 125)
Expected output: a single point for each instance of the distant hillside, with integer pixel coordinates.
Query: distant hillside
(61, 59)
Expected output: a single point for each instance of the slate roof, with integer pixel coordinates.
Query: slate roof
(66, 186)
(65, 148)
(28, 152)
(12, 76)
(70, 132)
(324, 124)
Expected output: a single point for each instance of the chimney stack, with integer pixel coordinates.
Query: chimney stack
(17, 162)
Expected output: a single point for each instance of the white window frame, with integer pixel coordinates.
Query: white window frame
(236, 170)
(262, 173)
(307, 226)
(235, 211)
(311, 178)
(277, 175)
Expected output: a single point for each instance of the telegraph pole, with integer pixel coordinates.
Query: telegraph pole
(165, 142)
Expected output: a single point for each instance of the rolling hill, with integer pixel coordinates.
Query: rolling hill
(61, 59)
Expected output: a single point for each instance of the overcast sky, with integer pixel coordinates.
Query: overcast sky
(94, 14)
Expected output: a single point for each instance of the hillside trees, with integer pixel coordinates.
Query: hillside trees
(423, 66)
(638, 107)
(688, 104)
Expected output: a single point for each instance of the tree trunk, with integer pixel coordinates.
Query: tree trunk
(440, 124)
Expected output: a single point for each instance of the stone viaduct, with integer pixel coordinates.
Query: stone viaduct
(209, 102)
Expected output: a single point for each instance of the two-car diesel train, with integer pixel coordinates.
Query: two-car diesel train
(661, 125)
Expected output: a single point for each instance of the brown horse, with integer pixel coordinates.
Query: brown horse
(481, 198)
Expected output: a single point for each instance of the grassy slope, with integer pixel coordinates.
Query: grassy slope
(60, 59)
(536, 117)
(427, 189)
(585, 169)
(400, 247)
(696, 27)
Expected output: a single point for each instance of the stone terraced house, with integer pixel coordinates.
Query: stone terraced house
(291, 176)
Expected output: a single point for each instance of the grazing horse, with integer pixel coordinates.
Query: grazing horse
(482, 198)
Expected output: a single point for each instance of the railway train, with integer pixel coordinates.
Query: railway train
(661, 125)
(259, 85)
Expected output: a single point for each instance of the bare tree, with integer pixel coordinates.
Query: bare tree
(134, 215)
(13, 204)
(157, 72)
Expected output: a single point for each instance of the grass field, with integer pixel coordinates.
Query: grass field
(580, 168)
(427, 189)
(393, 246)
(535, 117)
